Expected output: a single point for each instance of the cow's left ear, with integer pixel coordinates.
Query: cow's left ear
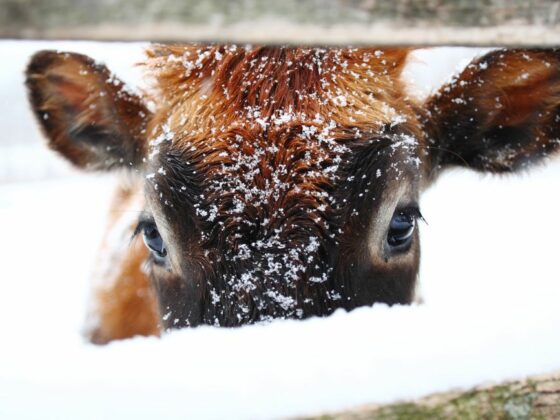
(501, 114)
(86, 113)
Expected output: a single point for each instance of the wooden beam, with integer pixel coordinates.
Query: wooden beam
(532, 398)
(323, 22)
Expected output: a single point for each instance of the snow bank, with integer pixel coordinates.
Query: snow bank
(489, 280)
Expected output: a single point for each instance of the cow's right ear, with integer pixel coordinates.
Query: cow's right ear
(86, 113)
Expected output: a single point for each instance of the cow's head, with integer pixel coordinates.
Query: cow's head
(284, 182)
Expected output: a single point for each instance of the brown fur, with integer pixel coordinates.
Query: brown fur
(124, 302)
(216, 94)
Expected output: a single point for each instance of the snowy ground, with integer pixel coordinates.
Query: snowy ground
(489, 279)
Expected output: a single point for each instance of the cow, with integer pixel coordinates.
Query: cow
(277, 182)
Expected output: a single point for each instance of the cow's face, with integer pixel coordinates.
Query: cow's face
(285, 182)
(281, 183)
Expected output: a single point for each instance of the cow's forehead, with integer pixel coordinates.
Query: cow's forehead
(210, 94)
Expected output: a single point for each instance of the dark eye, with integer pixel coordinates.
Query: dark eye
(401, 229)
(153, 241)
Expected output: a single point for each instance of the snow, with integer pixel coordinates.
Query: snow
(489, 282)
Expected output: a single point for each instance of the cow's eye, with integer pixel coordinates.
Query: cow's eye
(401, 229)
(153, 241)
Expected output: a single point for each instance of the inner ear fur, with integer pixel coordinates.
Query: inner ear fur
(86, 113)
(501, 114)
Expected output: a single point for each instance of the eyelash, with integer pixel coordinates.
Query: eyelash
(140, 227)
(144, 220)
(414, 212)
